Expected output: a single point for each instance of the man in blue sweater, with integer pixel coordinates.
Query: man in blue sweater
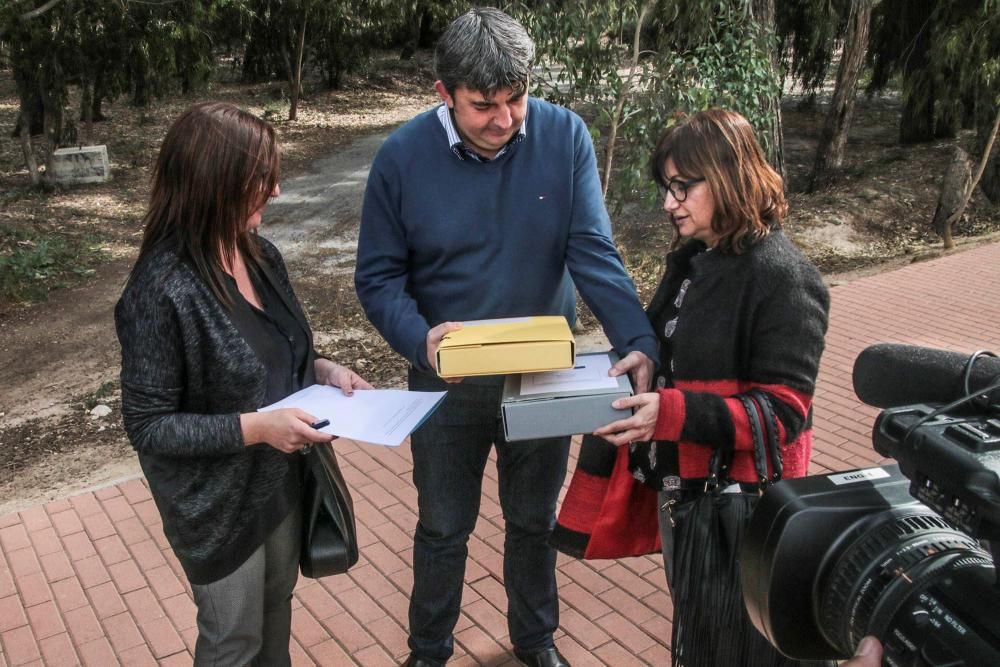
(488, 206)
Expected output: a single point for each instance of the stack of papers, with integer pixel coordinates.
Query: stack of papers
(377, 416)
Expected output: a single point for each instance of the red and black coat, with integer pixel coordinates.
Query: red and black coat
(726, 324)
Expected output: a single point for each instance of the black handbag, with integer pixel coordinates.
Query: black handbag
(711, 627)
(329, 534)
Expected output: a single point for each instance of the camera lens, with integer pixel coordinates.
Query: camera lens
(830, 559)
(900, 553)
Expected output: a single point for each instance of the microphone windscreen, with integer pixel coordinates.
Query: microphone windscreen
(889, 375)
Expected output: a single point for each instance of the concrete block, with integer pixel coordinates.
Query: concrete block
(81, 164)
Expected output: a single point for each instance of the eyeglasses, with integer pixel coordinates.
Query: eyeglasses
(678, 188)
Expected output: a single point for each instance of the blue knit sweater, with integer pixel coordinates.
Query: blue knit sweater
(444, 238)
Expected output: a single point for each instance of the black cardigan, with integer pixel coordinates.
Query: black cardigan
(186, 376)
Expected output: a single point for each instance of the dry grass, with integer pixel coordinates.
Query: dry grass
(94, 223)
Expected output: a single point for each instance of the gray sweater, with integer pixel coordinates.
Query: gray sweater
(187, 374)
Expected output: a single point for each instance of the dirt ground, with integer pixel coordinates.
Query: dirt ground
(60, 423)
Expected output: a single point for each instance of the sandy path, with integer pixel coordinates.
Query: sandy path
(56, 352)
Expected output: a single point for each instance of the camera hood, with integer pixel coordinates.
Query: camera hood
(799, 522)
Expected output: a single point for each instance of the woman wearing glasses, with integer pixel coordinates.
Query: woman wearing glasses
(739, 313)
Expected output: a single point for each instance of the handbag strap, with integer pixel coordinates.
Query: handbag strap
(766, 444)
(764, 431)
(718, 466)
(757, 434)
(771, 431)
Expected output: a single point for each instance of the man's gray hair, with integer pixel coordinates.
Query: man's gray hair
(484, 50)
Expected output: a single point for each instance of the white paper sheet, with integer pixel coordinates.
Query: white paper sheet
(589, 372)
(376, 416)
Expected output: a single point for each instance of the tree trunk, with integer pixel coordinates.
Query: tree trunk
(609, 147)
(763, 12)
(967, 192)
(948, 118)
(412, 40)
(100, 85)
(990, 182)
(969, 97)
(917, 121)
(140, 79)
(26, 148)
(34, 104)
(32, 110)
(256, 63)
(53, 90)
(833, 140)
(296, 79)
(953, 187)
(87, 109)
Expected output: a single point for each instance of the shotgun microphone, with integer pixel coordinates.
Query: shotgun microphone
(887, 375)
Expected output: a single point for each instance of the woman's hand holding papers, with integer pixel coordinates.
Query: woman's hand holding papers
(287, 430)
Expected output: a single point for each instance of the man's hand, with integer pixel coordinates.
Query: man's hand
(434, 337)
(868, 654)
(639, 365)
(637, 428)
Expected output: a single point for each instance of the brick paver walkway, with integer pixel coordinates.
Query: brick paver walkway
(90, 579)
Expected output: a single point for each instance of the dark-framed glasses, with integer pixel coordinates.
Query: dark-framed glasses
(678, 188)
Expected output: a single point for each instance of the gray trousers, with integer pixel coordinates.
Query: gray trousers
(246, 617)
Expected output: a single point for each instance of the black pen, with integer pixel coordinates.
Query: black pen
(320, 424)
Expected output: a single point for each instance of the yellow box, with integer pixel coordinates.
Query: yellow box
(510, 345)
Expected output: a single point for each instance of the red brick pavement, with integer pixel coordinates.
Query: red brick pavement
(90, 580)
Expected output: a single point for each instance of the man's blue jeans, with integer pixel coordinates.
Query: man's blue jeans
(450, 452)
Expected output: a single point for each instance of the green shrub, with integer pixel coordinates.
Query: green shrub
(33, 262)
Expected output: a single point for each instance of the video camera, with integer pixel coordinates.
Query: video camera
(902, 551)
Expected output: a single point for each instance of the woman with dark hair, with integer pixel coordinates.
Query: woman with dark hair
(210, 330)
(741, 316)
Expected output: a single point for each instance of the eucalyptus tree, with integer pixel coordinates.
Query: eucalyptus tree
(424, 20)
(968, 50)
(901, 40)
(284, 38)
(349, 31)
(633, 64)
(946, 54)
(810, 32)
(833, 139)
(106, 48)
(37, 74)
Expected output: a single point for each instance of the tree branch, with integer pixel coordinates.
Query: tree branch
(38, 11)
(967, 195)
(609, 149)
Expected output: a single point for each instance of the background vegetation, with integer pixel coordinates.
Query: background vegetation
(628, 66)
(868, 107)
